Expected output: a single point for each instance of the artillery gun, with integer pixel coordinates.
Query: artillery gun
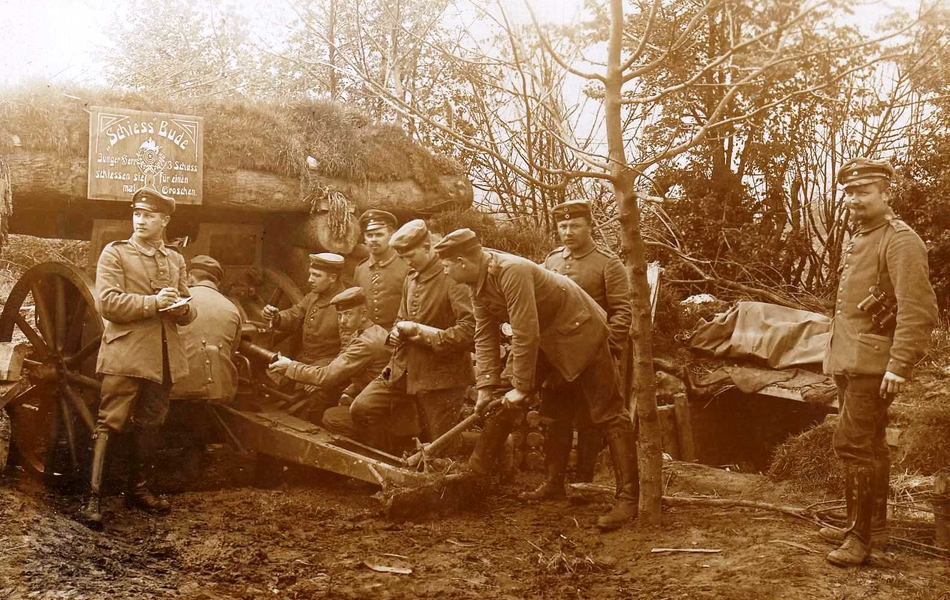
(270, 187)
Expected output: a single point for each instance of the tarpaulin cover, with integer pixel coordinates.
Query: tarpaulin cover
(778, 336)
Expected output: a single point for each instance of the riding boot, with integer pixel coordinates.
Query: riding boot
(91, 514)
(856, 548)
(590, 441)
(882, 489)
(491, 442)
(622, 443)
(140, 460)
(557, 452)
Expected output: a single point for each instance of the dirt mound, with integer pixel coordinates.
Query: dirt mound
(808, 461)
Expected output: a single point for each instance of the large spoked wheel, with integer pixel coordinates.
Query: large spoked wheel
(259, 288)
(53, 307)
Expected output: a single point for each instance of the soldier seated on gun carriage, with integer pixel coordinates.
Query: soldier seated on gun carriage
(364, 355)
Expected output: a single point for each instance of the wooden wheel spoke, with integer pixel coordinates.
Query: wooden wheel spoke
(66, 419)
(85, 352)
(75, 325)
(43, 317)
(85, 381)
(59, 302)
(25, 396)
(39, 346)
(80, 407)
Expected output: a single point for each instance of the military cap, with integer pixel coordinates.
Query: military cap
(457, 243)
(374, 219)
(326, 261)
(409, 235)
(203, 262)
(349, 298)
(570, 209)
(862, 171)
(152, 200)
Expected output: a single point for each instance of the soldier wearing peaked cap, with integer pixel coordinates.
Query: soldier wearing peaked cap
(432, 365)
(139, 283)
(211, 339)
(559, 334)
(364, 355)
(382, 274)
(604, 278)
(884, 314)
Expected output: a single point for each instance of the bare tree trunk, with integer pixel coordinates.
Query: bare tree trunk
(651, 458)
(331, 58)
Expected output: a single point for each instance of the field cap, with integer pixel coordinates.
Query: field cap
(409, 235)
(326, 261)
(571, 209)
(862, 171)
(374, 219)
(349, 298)
(459, 242)
(203, 262)
(150, 200)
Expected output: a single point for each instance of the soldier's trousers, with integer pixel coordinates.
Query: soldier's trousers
(860, 438)
(123, 398)
(385, 410)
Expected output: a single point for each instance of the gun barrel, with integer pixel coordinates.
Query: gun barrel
(257, 353)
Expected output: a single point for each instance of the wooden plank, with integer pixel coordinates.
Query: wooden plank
(941, 503)
(684, 428)
(668, 436)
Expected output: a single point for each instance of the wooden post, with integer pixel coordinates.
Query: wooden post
(941, 503)
(684, 427)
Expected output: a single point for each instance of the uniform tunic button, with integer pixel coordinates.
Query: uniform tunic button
(839, 311)
(840, 290)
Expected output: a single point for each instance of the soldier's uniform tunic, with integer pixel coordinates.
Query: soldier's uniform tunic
(889, 254)
(382, 281)
(435, 377)
(141, 354)
(210, 343)
(316, 318)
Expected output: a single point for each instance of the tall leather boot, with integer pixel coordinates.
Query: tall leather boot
(856, 548)
(91, 513)
(623, 452)
(879, 535)
(590, 441)
(557, 452)
(492, 440)
(140, 459)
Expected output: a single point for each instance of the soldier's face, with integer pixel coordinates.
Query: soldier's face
(460, 269)
(377, 240)
(320, 281)
(349, 320)
(866, 202)
(417, 257)
(148, 225)
(574, 233)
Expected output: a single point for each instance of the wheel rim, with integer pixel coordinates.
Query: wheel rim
(53, 418)
(267, 286)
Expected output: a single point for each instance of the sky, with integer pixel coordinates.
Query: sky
(62, 40)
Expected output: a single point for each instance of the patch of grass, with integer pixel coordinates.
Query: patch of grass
(923, 443)
(522, 237)
(808, 461)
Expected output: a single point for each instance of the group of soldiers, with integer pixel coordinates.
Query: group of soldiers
(390, 357)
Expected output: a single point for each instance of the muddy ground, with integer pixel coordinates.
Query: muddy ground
(318, 535)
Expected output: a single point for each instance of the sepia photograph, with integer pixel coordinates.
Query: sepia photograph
(474, 299)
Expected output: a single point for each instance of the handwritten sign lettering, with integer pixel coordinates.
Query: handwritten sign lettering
(132, 149)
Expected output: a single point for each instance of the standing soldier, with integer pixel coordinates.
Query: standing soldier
(143, 299)
(381, 275)
(603, 277)
(432, 365)
(559, 333)
(364, 355)
(211, 340)
(885, 312)
(316, 317)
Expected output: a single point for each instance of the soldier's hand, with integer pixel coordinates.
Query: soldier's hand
(279, 366)
(892, 384)
(515, 398)
(407, 330)
(178, 311)
(483, 400)
(269, 312)
(166, 297)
